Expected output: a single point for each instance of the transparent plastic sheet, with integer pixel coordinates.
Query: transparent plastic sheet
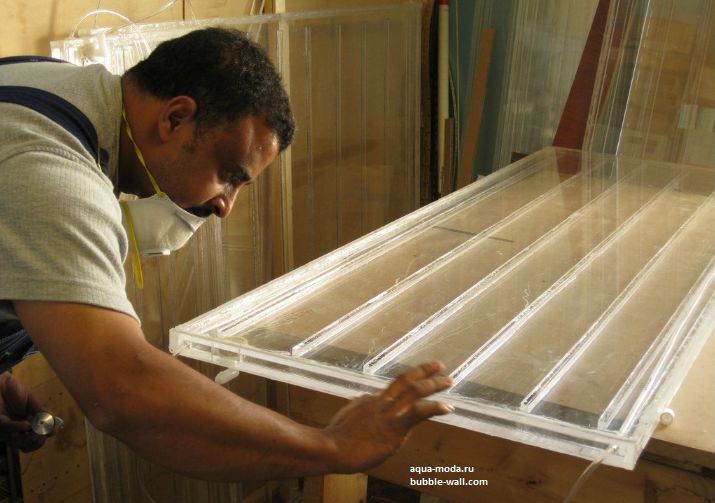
(655, 90)
(566, 313)
(352, 76)
(536, 50)
(544, 42)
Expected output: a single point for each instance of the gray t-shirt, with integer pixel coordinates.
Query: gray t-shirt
(61, 234)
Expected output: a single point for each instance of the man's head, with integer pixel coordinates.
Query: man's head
(228, 76)
(209, 113)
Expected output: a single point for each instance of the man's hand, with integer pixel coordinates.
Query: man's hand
(373, 427)
(17, 406)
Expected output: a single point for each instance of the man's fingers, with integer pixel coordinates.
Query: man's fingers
(406, 380)
(418, 390)
(422, 371)
(29, 442)
(404, 398)
(19, 402)
(415, 385)
(10, 426)
(422, 410)
(376, 425)
(24, 441)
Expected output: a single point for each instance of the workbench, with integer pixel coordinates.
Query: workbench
(677, 466)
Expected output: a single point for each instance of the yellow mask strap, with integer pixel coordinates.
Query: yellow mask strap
(139, 154)
(136, 259)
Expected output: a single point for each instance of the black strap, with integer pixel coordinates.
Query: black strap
(29, 59)
(61, 112)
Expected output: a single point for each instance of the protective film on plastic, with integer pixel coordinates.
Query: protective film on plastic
(566, 294)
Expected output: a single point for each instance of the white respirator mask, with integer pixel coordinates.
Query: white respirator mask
(158, 224)
(155, 225)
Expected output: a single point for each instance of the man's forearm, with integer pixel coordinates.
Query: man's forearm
(174, 416)
(186, 422)
(167, 412)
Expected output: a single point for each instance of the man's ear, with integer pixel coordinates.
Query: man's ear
(176, 113)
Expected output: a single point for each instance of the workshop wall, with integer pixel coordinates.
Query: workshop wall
(30, 25)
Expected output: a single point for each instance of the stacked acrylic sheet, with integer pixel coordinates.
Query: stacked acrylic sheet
(655, 92)
(567, 294)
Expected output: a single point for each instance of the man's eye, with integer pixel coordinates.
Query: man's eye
(238, 177)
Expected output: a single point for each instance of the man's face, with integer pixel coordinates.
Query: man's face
(204, 174)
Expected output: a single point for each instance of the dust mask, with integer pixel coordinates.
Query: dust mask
(158, 224)
(155, 225)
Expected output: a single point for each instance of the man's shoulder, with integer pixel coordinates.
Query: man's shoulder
(90, 88)
(68, 105)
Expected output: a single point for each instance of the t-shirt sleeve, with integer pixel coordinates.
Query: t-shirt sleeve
(61, 235)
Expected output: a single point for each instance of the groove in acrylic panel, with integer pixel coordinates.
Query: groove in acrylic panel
(627, 334)
(543, 300)
(361, 278)
(675, 329)
(637, 387)
(543, 235)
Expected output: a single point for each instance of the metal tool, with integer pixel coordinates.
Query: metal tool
(45, 424)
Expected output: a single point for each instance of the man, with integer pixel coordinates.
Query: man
(184, 130)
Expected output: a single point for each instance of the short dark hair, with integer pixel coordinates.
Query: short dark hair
(229, 76)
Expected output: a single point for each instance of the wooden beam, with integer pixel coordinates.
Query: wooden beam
(572, 126)
(479, 92)
(448, 165)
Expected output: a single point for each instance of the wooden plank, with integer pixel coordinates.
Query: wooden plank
(426, 90)
(476, 107)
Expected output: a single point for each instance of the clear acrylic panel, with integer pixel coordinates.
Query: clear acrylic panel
(566, 294)
(544, 41)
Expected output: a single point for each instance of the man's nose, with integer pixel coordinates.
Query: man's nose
(223, 204)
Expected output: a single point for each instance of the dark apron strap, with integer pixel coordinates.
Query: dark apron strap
(62, 112)
(55, 108)
(28, 59)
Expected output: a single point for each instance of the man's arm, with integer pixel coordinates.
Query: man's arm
(174, 416)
